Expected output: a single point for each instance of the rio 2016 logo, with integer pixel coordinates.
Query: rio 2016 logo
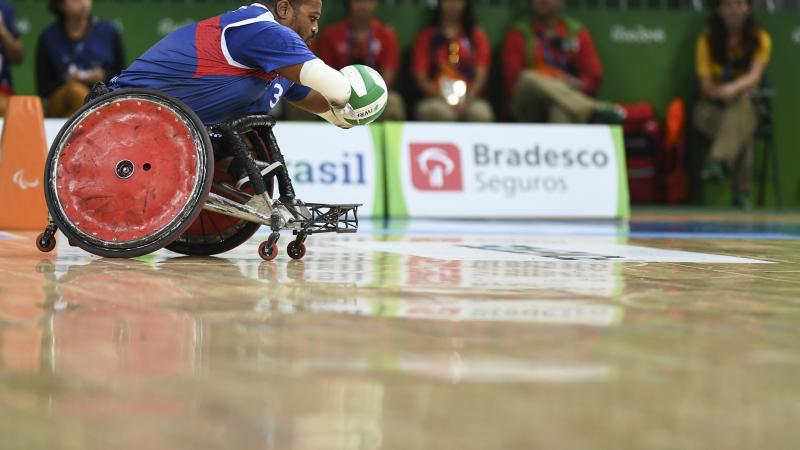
(436, 167)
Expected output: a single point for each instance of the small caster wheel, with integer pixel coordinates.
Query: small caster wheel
(45, 243)
(296, 250)
(268, 251)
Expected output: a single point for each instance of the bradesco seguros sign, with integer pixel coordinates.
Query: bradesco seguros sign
(506, 171)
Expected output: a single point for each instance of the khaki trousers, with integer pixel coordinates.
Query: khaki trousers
(538, 98)
(730, 126)
(67, 99)
(434, 109)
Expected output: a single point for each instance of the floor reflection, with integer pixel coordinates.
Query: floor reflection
(356, 348)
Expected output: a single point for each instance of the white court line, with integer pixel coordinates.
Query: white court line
(577, 250)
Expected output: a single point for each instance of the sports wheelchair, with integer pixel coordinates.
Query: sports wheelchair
(133, 171)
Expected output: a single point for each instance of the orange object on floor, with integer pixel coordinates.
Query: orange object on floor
(23, 153)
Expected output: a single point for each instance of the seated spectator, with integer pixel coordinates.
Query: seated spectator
(72, 54)
(363, 39)
(552, 70)
(10, 52)
(450, 64)
(731, 57)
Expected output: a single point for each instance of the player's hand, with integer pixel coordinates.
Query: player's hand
(341, 114)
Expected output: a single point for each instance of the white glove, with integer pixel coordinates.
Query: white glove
(338, 116)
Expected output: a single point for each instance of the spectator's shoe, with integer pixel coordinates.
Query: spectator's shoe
(742, 201)
(238, 172)
(608, 113)
(714, 170)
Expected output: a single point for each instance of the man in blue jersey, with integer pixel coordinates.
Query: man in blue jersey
(243, 62)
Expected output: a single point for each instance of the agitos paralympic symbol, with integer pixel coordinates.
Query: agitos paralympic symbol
(19, 180)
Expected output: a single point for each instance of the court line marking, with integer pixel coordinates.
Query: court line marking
(583, 251)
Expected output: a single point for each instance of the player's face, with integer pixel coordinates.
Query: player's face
(77, 8)
(546, 8)
(734, 13)
(305, 19)
(363, 9)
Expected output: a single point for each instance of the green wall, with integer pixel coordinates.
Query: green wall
(648, 55)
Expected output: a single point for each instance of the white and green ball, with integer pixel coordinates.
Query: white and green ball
(369, 95)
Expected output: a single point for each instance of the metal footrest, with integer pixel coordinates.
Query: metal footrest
(330, 219)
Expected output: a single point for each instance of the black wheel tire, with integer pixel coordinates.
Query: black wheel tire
(296, 250)
(268, 252)
(45, 245)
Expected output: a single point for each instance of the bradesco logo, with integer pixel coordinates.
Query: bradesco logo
(436, 167)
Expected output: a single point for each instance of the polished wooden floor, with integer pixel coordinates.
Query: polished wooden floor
(419, 335)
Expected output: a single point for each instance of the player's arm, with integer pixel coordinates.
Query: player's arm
(314, 102)
(330, 90)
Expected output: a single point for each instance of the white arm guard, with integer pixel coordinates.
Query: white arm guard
(330, 83)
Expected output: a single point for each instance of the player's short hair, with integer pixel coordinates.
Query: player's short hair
(273, 3)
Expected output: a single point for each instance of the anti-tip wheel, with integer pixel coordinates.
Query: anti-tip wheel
(45, 244)
(268, 251)
(296, 250)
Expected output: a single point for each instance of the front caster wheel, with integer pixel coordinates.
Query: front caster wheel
(296, 250)
(268, 251)
(45, 243)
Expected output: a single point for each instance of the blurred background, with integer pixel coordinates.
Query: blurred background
(647, 49)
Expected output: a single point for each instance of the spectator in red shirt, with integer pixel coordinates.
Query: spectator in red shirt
(552, 70)
(363, 39)
(450, 64)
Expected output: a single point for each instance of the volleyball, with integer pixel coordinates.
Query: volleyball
(369, 94)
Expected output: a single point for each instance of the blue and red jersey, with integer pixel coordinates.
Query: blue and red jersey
(223, 67)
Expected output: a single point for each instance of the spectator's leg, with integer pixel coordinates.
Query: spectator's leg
(579, 105)
(395, 108)
(557, 114)
(435, 110)
(707, 117)
(529, 102)
(479, 110)
(736, 127)
(67, 99)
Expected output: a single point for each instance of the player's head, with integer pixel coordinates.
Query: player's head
(66, 9)
(361, 10)
(547, 9)
(302, 16)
